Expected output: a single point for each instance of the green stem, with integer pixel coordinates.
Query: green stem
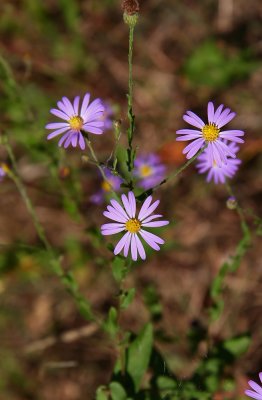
(130, 115)
(15, 177)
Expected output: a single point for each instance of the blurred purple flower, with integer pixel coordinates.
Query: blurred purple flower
(2, 173)
(126, 220)
(149, 170)
(113, 180)
(215, 172)
(108, 116)
(210, 134)
(256, 393)
(86, 118)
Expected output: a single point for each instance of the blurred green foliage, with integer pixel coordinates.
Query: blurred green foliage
(215, 66)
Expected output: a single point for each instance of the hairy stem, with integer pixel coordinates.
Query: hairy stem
(130, 115)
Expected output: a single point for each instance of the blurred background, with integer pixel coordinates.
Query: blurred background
(186, 53)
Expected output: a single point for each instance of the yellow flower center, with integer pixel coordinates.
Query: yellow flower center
(106, 186)
(146, 171)
(210, 132)
(133, 225)
(76, 123)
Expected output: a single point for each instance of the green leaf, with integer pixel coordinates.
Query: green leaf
(119, 268)
(101, 393)
(127, 297)
(138, 355)
(237, 345)
(110, 325)
(117, 391)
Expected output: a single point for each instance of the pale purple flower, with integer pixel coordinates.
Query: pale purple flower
(86, 118)
(256, 393)
(126, 221)
(210, 133)
(2, 173)
(215, 172)
(112, 182)
(149, 170)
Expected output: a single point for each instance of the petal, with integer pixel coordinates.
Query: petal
(150, 209)
(218, 113)
(255, 387)
(155, 224)
(144, 207)
(111, 226)
(121, 243)
(117, 213)
(155, 238)
(187, 131)
(133, 247)
(62, 107)
(148, 219)
(140, 247)
(132, 202)
(76, 105)
(68, 140)
(127, 244)
(96, 107)
(192, 148)
(254, 395)
(59, 114)
(85, 104)
(210, 111)
(112, 231)
(56, 133)
(68, 105)
(82, 142)
(223, 115)
(188, 137)
(126, 205)
(74, 139)
(225, 120)
(64, 138)
(91, 129)
(192, 121)
(112, 216)
(120, 209)
(149, 240)
(196, 118)
(57, 125)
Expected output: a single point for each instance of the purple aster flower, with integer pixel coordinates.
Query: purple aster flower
(126, 220)
(88, 118)
(218, 173)
(113, 180)
(210, 134)
(149, 170)
(256, 393)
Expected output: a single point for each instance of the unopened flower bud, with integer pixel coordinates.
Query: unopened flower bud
(130, 8)
(231, 203)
